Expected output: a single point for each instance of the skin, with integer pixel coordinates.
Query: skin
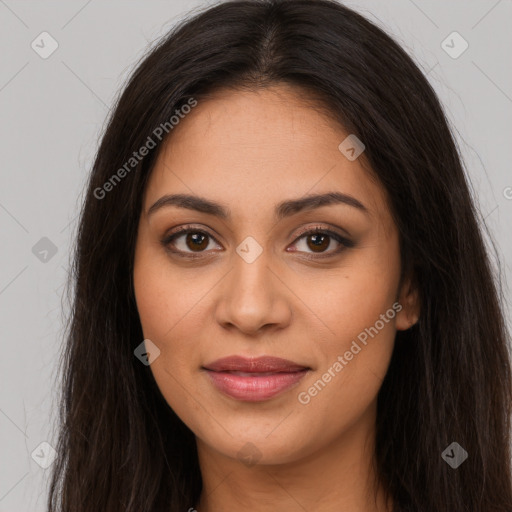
(250, 151)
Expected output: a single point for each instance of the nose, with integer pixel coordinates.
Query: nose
(252, 298)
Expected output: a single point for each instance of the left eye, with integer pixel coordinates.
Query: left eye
(318, 241)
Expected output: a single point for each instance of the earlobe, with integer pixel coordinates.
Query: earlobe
(410, 302)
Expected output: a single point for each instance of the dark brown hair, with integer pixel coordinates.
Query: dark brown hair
(121, 447)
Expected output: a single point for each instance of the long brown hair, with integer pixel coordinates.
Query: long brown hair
(121, 447)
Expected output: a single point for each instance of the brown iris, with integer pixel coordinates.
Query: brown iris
(319, 241)
(197, 241)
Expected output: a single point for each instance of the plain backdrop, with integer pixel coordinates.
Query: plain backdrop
(53, 111)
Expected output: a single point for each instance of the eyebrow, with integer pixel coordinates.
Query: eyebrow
(282, 210)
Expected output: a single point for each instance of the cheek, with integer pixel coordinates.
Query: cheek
(344, 387)
(164, 298)
(352, 298)
(358, 306)
(170, 311)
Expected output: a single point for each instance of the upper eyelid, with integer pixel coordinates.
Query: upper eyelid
(322, 229)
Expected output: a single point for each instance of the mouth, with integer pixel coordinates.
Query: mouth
(254, 379)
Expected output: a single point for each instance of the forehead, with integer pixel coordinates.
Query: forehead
(250, 149)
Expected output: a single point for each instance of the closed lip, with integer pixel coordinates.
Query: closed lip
(262, 364)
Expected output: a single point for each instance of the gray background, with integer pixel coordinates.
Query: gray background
(52, 113)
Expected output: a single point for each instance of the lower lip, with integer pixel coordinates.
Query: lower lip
(257, 388)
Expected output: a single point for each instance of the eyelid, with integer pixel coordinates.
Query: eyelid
(329, 230)
(185, 227)
(324, 227)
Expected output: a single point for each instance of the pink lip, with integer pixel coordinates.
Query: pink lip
(254, 379)
(254, 364)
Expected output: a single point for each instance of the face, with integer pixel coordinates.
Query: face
(267, 271)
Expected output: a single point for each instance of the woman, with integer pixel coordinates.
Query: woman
(282, 298)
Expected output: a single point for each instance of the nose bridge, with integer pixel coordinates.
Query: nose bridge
(251, 277)
(251, 296)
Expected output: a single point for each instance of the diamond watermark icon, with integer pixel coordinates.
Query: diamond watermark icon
(146, 352)
(44, 455)
(454, 45)
(44, 250)
(454, 455)
(249, 454)
(44, 45)
(249, 250)
(351, 147)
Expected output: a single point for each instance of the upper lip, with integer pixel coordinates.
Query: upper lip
(254, 365)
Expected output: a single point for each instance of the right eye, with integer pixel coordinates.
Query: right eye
(188, 242)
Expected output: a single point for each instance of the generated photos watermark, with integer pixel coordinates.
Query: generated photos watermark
(304, 397)
(138, 156)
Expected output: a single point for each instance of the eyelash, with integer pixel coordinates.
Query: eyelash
(344, 242)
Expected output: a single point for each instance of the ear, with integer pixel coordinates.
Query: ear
(408, 298)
